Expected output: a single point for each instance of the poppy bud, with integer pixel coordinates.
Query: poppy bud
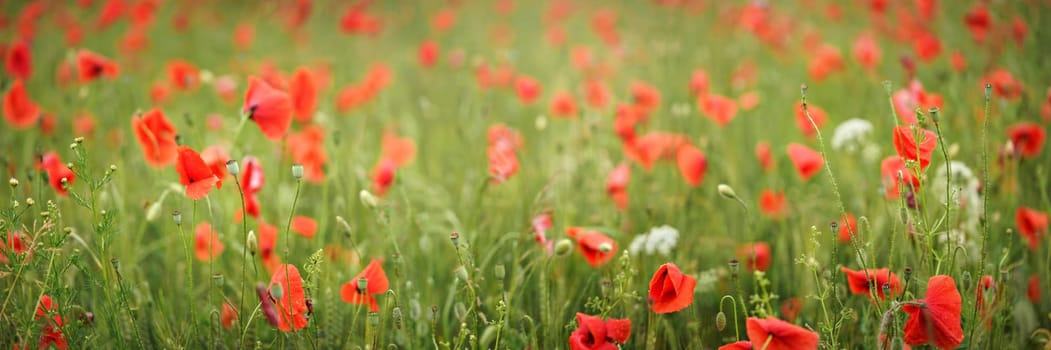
(966, 280)
(734, 264)
(499, 272)
(720, 321)
(908, 273)
(455, 237)
(726, 191)
(461, 273)
(13, 182)
(297, 171)
(363, 284)
(177, 217)
(30, 202)
(933, 111)
(153, 211)
(397, 316)
(368, 199)
(233, 167)
(563, 247)
(252, 243)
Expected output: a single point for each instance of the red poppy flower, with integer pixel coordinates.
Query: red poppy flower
(244, 35)
(269, 108)
(915, 145)
(740, 345)
(827, 60)
(866, 51)
(986, 285)
(216, 158)
(978, 22)
(304, 225)
(1032, 224)
(617, 185)
(776, 334)
(251, 183)
(527, 89)
(624, 124)
(803, 123)
(720, 109)
(772, 204)
(699, 82)
(428, 53)
(646, 97)
(159, 93)
(308, 149)
(593, 333)
(936, 319)
(503, 162)
(756, 256)
(913, 97)
(862, 281)
(226, 88)
(563, 106)
(18, 243)
(19, 110)
(790, 308)
(1004, 84)
(194, 173)
(383, 176)
(156, 135)
(959, 63)
(1019, 30)
(291, 303)
(808, 162)
(597, 248)
(927, 46)
(56, 172)
(92, 66)
(762, 153)
(19, 61)
(540, 224)
(890, 169)
(748, 100)
(596, 93)
(670, 289)
(1028, 138)
(654, 146)
(399, 150)
(848, 225)
(692, 164)
(206, 242)
(183, 75)
(375, 281)
(267, 244)
(228, 315)
(1033, 292)
(357, 21)
(52, 332)
(303, 90)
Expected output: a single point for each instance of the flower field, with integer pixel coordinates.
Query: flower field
(525, 174)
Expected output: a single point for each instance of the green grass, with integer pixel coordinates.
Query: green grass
(108, 255)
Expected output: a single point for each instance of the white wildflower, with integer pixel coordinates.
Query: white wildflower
(851, 135)
(659, 240)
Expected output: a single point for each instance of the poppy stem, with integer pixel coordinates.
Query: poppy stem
(244, 256)
(985, 203)
(733, 302)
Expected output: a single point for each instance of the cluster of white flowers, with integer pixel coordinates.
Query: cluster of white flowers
(707, 280)
(659, 240)
(852, 135)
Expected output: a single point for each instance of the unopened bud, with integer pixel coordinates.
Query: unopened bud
(30, 201)
(153, 211)
(297, 171)
(368, 199)
(726, 191)
(13, 182)
(966, 279)
(252, 243)
(461, 273)
(563, 247)
(79, 139)
(455, 238)
(177, 217)
(720, 321)
(233, 167)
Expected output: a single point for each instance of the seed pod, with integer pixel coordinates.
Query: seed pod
(297, 171)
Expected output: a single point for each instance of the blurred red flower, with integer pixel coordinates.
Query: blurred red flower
(92, 66)
(756, 256)
(19, 60)
(808, 162)
(56, 172)
(268, 107)
(206, 243)
(303, 90)
(597, 248)
(291, 303)
(304, 226)
(183, 75)
(19, 110)
(1028, 138)
(692, 164)
(1032, 225)
(617, 185)
(156, 135)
